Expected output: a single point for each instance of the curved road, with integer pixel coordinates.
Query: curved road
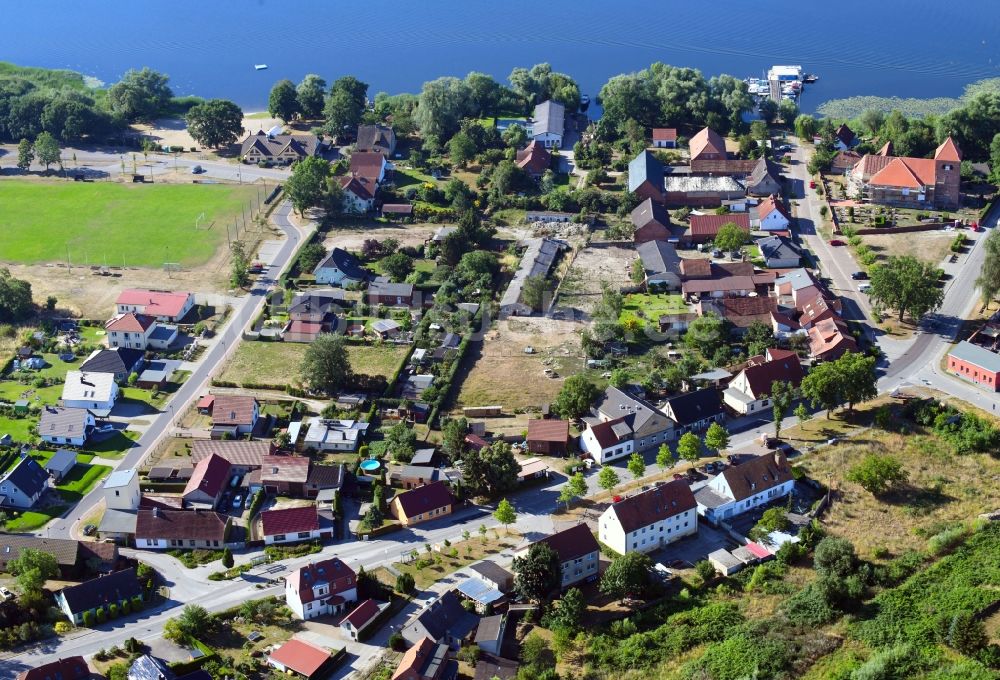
(214, 358)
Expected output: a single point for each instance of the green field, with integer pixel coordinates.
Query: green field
(107, 223)
(649, 307)
(277, 363)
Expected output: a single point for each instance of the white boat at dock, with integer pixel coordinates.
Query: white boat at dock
(260, 67)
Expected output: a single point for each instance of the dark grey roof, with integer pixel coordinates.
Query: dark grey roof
(114, 587)
(645, 167)
(549, 118)
(492, 571)
(615, 404)
(345, 262)
(764, 168)
(422, 457)
(777, 247)
(444, 616)
(117, 360)
(425, 472)
(28, 476)
(375, 138)
(659, 257)
(650, 211)
(316, 300)
(301, 145)
(691, 407)
(390, 289)
(63, 549)
(147, 667)
(61, 461)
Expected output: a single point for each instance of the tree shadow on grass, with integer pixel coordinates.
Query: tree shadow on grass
(915, 499)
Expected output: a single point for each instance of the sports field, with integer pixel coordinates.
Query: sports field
(105, 223)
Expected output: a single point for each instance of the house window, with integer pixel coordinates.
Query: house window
(279, 537)
(303, 534)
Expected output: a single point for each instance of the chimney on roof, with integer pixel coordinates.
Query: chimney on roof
(779, 458)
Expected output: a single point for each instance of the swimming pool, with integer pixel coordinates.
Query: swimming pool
(370, 465)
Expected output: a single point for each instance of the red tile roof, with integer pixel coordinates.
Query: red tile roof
(757, 475)
(708, 225)
(206, 402)
(72, 668)
(898, 173)
(333, 572)
(367, 164)
(290, 520)
(830, 338)
(305, 327)
(362, 187)
(762, 376)
(239, 452)
(209, 476)
(664, 134)
(154, 302)
(707, 141)
(948, 151)
(769, 205)
(534, 158)
(654, 505)
(886, 150)
(233, 409)
(696, 268)
(605, 433)
(300, 656)
(199, 525)
(362, 614)
(424, 498)
(742, 311)
(552, 430)
(129, 322)
(572, 543)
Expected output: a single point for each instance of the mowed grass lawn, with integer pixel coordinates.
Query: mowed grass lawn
(108, 223)
(649, 307)
(277, 363)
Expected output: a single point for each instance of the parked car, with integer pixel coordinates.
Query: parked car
(860, 276)
(197, 170)
(716, 253)
(836, 242)
(237, 502)
(89, 530)
(6, 594)
(812, 184)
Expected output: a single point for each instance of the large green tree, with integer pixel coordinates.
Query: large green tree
(491, 470)
(575, 397)
(707, 334)
(442, 105)
(716, 438)
(25, 154)
(907, 285)
(33, 568)
(345, 105)
(326, 366)
(689, 447)
(15, 298)
(538, 574)
(575, 487)
(627, 575)
(608, 478)
(782, 396)
(505, 514)
(139, 95)
(988, 281)
(731, 237)
(283, 101)
(310, 94)
(308, 183)
(47, 149)
(215, 123)
(636, 465)
(569, 610)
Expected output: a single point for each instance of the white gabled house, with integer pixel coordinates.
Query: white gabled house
(741, 488)
(772, 216)
(608, 441)
(96, 392)
(321, 589)
(651, 519)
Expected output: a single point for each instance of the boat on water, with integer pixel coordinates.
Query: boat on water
(260, 67)
(584, 102)
(810, 78)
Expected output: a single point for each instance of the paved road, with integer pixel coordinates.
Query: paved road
(243, 315)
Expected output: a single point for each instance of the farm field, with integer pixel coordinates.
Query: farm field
(277, 363)
(108, 223)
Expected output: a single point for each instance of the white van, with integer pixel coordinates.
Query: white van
(864, 287)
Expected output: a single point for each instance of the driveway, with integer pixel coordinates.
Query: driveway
(693, 549)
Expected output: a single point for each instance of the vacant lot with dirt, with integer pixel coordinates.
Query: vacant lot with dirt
(581, 288)
(504, 374)
(351, 237)
(931, 246)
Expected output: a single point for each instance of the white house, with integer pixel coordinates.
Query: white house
(163, 305)
(609, 440)
(548, 124)
(321, 589)
(95, 392)
(121, 490)
(130, 330)
(326, 434)
(739, 489)
(651, 519)
(340, 268)
(65, 425)
(578, 551)
(359, 194)
(23, 484)
(750, 390)
(772, 216)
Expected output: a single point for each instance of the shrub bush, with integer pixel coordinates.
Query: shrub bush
(113, 611)
(102, 615)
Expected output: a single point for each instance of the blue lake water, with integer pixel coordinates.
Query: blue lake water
(919, 48)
